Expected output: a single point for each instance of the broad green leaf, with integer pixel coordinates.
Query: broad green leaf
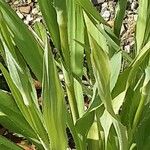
(143, 131)
(136, 63)
(40, 31)
(106, 119)
(6, 39)
(87, 6)
(62, 19)
(141, 23)
(131, 102)
(20, 76)
(53, 103)
(115, 64)
(30, 112)
(9, 108)
(79, 97)
(25, 41)
(106, 123)
(12, 119)
(101, 69)
(121, 83)
(6, 144)
(145, 90)
(69, 81)
(50, 18)
(95, 33)
(99, 32)
(93, 137)
(84, 123)
(76, 32)
(146, 84)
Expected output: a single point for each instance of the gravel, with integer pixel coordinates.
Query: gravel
(29, 12)
(107, 10)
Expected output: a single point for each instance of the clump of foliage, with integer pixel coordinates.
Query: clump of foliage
(118, 115)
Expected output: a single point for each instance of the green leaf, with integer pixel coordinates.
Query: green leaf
(120, 12)
(93, 137)
(145, 90)
(62, 19)
(40, 32)
(102, 74)
(143, 132)
(76, 32)
(12, 119)
(50, 17)
(105, 38)
(6, 144)
(95, 33)
(115, 64)
(121, 83)
(84, 123)
(9, 108)
(142, 23)
(25, 41)
(30, 112)
(106, 118)
(87, 6)
(136, 63)
(54, 111)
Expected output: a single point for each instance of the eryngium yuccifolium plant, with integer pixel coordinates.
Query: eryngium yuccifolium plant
(90, 59)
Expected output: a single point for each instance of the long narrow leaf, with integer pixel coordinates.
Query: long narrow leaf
(120, 12)
(28, 46)
(54, 108)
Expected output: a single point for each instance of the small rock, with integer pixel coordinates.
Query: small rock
(127, 48)
(26, 22)
(25, 9)
(29, 1)
(111, 23)
(134, 5)
(16, 3)
(106, 15)
(61, 77)
(35, 10)
(104, 5)
(123, 30)
(135, 17)
(31, 4)
(29, 18)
